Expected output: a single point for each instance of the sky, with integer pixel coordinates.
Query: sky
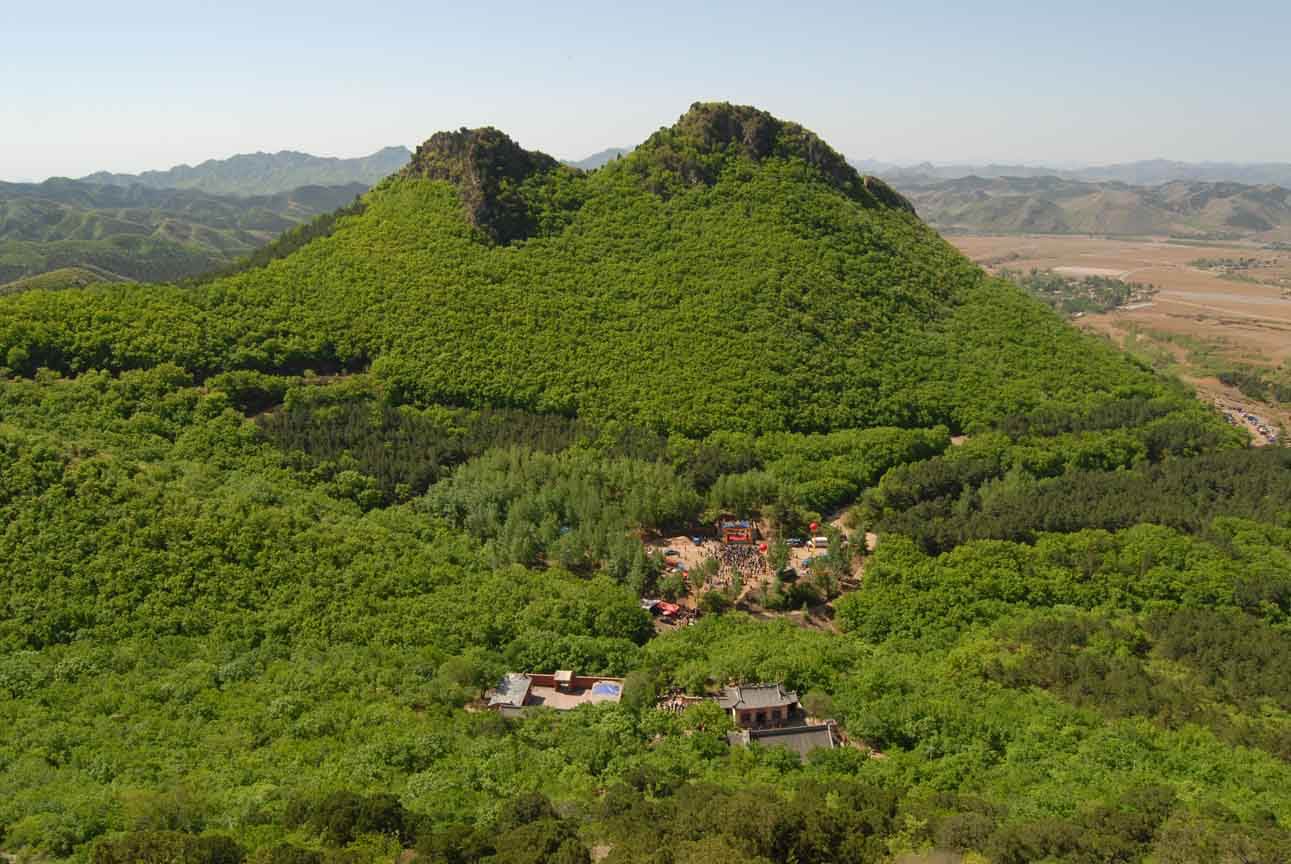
(143, 84)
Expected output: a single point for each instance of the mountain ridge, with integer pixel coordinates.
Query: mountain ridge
(138, 232)
(1056, 205)
(800, 292)
(1148, 172)
(597, 159)
(261, 173)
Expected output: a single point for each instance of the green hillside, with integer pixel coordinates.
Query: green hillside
(256, 174)
(752, 283)
(64, 277)
(267, 539)
(144, 234)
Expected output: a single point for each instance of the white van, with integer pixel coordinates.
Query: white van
(820, 542)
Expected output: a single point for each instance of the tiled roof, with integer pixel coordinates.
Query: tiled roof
(800, 739)
(756, 696)
(511, 690)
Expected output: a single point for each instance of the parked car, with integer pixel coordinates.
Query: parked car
(794, 542)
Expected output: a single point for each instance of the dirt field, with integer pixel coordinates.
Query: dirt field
(1199, 317)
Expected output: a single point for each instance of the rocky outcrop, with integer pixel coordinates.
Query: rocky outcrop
(490, 171)
(711, 131)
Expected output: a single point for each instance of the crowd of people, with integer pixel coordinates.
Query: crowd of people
(743, 559)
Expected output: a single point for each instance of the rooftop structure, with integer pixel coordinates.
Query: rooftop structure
(561, 690)
(758, 705)
(733, 530)
(800, 739)
(511, 691)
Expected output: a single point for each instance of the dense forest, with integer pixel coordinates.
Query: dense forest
(268, 537)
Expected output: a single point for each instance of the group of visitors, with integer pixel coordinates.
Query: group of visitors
(743, 559)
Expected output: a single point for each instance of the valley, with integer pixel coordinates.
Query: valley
(80, 231)
(1218, 307)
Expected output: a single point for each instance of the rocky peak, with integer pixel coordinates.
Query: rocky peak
(717, 128)
(488, 169)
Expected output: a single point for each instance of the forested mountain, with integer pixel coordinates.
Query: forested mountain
(268, 537)
(138, 233)
(256, 174)
(741, 274)
(1057, 206)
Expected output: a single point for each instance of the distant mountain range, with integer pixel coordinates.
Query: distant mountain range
(1054, 205)
(251, 174)
(186, 220)
(596, 160)
(140, 233)
(1152, 172)
(164, 225)
(1206, 200)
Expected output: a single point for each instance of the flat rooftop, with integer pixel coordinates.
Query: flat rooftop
(571, 697)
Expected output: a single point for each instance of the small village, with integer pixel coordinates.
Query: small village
(738, 562)
(764, 714)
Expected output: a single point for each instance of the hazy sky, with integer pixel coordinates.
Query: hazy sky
(141, 84)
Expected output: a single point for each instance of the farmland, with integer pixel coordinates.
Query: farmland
(1218, 308)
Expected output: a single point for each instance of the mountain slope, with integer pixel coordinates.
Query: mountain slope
(265, 173)
(266, 540)
(56, 280)
(142, 233)
(1058, 206)
(732, 272)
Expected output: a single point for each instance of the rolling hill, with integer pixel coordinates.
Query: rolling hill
(1054, 205)
(139, 233)
(63, 277)
(742, 274)
(268, 538)
(258, 174)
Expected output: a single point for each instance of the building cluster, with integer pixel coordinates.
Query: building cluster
(765, 714)
(769, 715)
(562, 690)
